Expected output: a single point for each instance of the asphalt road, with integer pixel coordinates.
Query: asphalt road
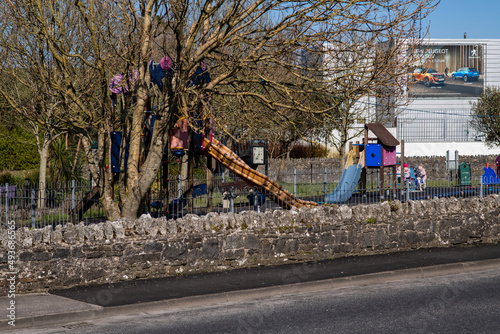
(140, 291)
(462, 303)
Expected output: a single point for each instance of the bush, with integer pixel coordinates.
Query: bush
(308, 151)
(18, 177)
(17, 149)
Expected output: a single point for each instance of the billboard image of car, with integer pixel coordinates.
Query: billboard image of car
(466, 74)
(447, 71)
(428, 76)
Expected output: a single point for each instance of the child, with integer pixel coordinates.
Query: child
(398, 173)
(418, 177)
(406, 173)
(423, 174)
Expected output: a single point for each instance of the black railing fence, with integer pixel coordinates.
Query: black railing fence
(29, 206)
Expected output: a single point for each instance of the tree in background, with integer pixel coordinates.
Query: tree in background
(251, 49)
(31, 103)
(366, 70)
(486, 115)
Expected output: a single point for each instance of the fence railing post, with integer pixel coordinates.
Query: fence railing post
(295, 182)
(407, 190)
(33, 207)
(255, 201)
(1, 210)
(480, 187)
(6, 204)
(73, 198)
(325, 190)
(231, 199)
(179, 187)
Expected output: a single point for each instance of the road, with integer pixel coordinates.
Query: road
(462, 303)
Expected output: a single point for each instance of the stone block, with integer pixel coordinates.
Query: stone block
(379, 238)
(210, 249)
(153, 247)
(61, 253)
(175, 252)
(251, 241)
(412, 238)
(118, 230)
(141, 259)
(69, 234)
(92, 274)
(234, 240)
(107, 228)
(27, 256)
(56, 237)
(41, 256)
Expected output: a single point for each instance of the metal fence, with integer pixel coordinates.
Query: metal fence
(78, 201)
(436, 126)
(57, 204)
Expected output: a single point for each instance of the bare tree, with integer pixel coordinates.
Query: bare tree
(242, 45)
(24, 89)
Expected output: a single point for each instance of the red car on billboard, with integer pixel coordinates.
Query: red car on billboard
(428, 76)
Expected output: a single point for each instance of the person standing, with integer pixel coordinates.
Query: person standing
(423, 175)
(406, 172)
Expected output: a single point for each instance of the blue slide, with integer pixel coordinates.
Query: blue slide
(348, 182)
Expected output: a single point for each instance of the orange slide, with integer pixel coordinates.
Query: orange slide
(236, 165)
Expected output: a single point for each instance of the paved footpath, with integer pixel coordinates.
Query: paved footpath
(98, 301)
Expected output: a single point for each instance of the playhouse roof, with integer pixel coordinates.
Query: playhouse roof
(382, 134)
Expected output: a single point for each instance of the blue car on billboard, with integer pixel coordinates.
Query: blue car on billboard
(466, 73)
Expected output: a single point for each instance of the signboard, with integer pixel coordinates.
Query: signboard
(447, 71)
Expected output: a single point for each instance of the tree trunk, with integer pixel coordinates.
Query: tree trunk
(190, 163)
(42, 183)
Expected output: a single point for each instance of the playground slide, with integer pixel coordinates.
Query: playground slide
(348, 181)
(236, 165)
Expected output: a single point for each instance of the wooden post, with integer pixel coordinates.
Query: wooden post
(381, 180)
(402, 164)
(210, 165)
(394, 180)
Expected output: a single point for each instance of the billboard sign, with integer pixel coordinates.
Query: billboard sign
(447, 71)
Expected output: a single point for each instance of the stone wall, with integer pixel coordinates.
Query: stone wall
(147, 248)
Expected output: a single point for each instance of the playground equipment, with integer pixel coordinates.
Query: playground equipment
(380, 152)
(489, 177)
(349, 179)
(254, 178)
(253, 153)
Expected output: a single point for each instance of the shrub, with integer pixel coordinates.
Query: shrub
(308, 151)
(17, 149)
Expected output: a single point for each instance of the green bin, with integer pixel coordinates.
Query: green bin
(464, 174)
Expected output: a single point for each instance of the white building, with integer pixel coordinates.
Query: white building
(437, 119)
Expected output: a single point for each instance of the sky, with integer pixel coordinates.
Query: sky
(480, 19)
